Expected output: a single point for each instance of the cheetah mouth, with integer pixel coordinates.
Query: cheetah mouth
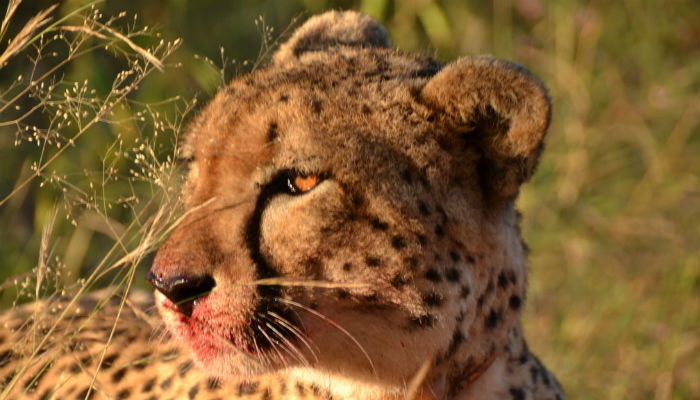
(268, 340)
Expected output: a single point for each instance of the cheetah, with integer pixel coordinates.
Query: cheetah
(350, 233)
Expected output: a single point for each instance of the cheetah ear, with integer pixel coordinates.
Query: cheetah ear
(333, 29)
(500, 108)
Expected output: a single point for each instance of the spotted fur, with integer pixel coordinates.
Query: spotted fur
(400, 253)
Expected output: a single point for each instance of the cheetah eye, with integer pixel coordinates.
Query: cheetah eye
(299, 183)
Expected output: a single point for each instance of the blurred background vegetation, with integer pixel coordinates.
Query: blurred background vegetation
(612, 215)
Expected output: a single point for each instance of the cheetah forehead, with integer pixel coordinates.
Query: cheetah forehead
(336, 93)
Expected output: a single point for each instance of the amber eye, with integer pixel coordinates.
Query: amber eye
(302, 183)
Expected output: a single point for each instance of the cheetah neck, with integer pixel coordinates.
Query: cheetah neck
(497, 377)
(503, 375)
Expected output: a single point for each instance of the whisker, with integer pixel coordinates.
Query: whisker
(295, 331)
(274, 345)
(263, 358)
(334, 324)
(158, 333)
(289, 345)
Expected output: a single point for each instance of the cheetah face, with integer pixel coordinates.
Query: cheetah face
(349, 211)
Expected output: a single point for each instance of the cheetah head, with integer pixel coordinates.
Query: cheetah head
(349, 212)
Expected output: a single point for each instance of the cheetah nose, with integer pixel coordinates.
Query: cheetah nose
(182, 290)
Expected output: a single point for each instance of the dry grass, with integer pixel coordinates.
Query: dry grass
(58, 115)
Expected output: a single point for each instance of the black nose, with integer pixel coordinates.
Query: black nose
(182, 290)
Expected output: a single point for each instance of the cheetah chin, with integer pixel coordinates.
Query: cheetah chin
(350, 232)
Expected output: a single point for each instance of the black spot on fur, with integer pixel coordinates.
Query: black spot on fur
(515, 302)
(300, 389)
(356, 199)
(166, 383)
(424, 181)
(480, 301)
(266, 395)
(534, 373)
(85, 394)
(342, 293)
(45, 395)
(464, 292)
(193, 392)
(502, 280)
(33, 382)
(457, 339)
(406, 176)
(492, 319)
(247, 388)
(398, 242)
(470, 259)
(432, 275)
(109, 360)
(316, 390)
(124, 393)
(74, 368)
(372, 261)
(213, 384)
(379, 224)
(6, 380)
(423, 208)
(183, 368)
(118, 375)
(272, 132)
(439, 231)
(454, 256)
(524, 357)
(148, 386)
(433, 299)
(366, 109)
(422, 239)
(452, 274)
(512, 277)
(517, 393)
(316, 105)
(284, 98)
(461, 316)
(5, 357)
(138, 366)
(347, 267)
(412, 262)
(398, 281)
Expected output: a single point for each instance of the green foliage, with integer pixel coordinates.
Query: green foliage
(611, 215)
